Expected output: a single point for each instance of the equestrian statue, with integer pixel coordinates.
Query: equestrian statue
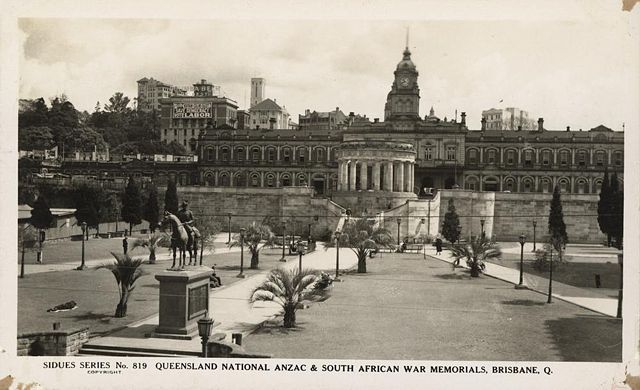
(184, 236)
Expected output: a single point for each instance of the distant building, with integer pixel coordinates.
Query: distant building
(269, 115)
(258, 87)
(330, 120)
(244, 119)
(510, 118)
(183, 118)
(150, 91)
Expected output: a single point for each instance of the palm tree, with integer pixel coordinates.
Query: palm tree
(476, 251)
(152, 243)
(208, 228)
(363, 236)
(254, 236)
(126, 271)
(289, 289)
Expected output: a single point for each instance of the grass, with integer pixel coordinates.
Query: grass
(409, 308)
(95, 292)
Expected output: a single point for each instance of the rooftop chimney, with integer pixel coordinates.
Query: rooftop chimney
(351, 113)
(540, 124)
(568, 128)
(483, 123)
(463, 118)
(519, 127)
(337, 109)
(376, 120)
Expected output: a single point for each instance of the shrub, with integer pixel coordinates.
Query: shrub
(543, 257)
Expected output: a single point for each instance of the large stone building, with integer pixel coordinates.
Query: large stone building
(150, 91)
(510, 118)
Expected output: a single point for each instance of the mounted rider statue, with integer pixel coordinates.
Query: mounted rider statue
(186, 218)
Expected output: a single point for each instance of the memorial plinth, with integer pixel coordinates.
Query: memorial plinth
(184, 298)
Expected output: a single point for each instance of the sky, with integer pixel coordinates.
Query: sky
(573, 73)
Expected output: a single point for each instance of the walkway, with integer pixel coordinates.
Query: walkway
(230, 308)
(576, 295)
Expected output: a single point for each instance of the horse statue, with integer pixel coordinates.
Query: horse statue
(180, 240)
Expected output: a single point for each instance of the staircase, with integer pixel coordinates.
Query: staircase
(103, 350)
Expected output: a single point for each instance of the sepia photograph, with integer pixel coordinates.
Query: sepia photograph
(344, 193)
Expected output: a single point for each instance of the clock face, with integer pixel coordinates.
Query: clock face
(404, 81)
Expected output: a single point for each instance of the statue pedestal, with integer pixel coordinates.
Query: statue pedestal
(184, 299)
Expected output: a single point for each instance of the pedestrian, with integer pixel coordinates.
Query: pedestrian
(438, 246)
(125, 245)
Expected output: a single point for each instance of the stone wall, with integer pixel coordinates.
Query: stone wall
(53, 343)
(507, 215)
(295, 205)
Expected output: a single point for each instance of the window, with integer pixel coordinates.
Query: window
(270, 181)
(546, 186)
(564, 157)
(301, 155)
(255, 181)
(472, 156)
(546, 157)
(255, 154)
(511, 155)
(240, 154)
(271, 155)
(225, 154)
(184, 142)
(564, 186)
(581, 187)
(428, 153)
(528, 158)
(582, 158)
(600, 158)
(491, 156)
(451, 153)
(286, 155)
(210, 154)
(175, 132)
(185, 133)
(319, 155)
(165, 132)
(617, 158)
(527, 186)
(510, 185)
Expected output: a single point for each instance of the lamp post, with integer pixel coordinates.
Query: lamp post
(619, 311)
(399, 221)
(229, 227)
(205, 324)
(284, 226)
(300, 253)
(424, 251)
(241, 274)
(521, 239)
(534, 235)
(338, 234)
(482, 227)
(550, 272)
(84, 229)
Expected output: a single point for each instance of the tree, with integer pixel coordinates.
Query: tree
(176, 149)
(604, 207)
(35, 138)
(171, 197)
(41, 218)
(84, 139)
(557, 227)
(152, 210)
(363, 236)
(289, 289)
(152, 243)
(451, 225)
(89, 203)
(616, 220)
(62, 117)
(476, 251)
(208, 227)
(132, 204)
(126, 271)
(33, 113)
(255, 235)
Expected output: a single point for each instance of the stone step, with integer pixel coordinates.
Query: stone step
(84, 351)
(113, 350)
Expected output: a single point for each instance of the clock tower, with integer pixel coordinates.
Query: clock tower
(403, 101)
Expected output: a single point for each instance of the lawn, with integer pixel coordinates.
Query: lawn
(95, 292)
(571, 273)
(409, 308)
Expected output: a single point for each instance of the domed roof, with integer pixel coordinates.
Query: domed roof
(406, 62)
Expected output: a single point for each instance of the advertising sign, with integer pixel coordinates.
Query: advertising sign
(192, 110)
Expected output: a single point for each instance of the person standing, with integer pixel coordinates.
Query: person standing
(438, 245)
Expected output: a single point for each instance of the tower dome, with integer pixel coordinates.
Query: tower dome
(406, 62)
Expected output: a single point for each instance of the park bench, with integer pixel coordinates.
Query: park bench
(414, 248)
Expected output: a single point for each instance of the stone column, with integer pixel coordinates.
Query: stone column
(406, 186)
(352, 179)
(363, 175)
(376, 176)
(388, 176)
(400, 176)
(340, 167)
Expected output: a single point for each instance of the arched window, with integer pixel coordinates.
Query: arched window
(509, 185)
(224, 154)
(545, 185)
(240, 153)
(319, 154)
(255, 180)
(617, 158)
(546, 157)
(581, 186)
(255, 154)
(286, 154)
(271, 154)
(527, 185)
(473, 156)
(582, 158)
(600, 158)
(564, 185)
(471, 183)
(564, 157)
(210, 154)
(286, 180)
(208, 179)
(491, 156)
(511, 156)
(224, 180)
(528, 158)
(597, 184)
(270, 180)
(302, 154)
(241, 179)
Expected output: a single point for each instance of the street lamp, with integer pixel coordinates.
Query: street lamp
(229, 227)
(521, 239)
(399, 221)
(338, 234)
(241, 274)
(84, 229)
(284, 226)
(482, 227)
(619, 311)
(534, 235)
(424, 251)
(300, 253)
(550, 272)
(205, 325)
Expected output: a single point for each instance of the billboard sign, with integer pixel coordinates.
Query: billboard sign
(192, 110)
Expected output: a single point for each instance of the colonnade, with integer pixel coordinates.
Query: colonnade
(391, 176)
